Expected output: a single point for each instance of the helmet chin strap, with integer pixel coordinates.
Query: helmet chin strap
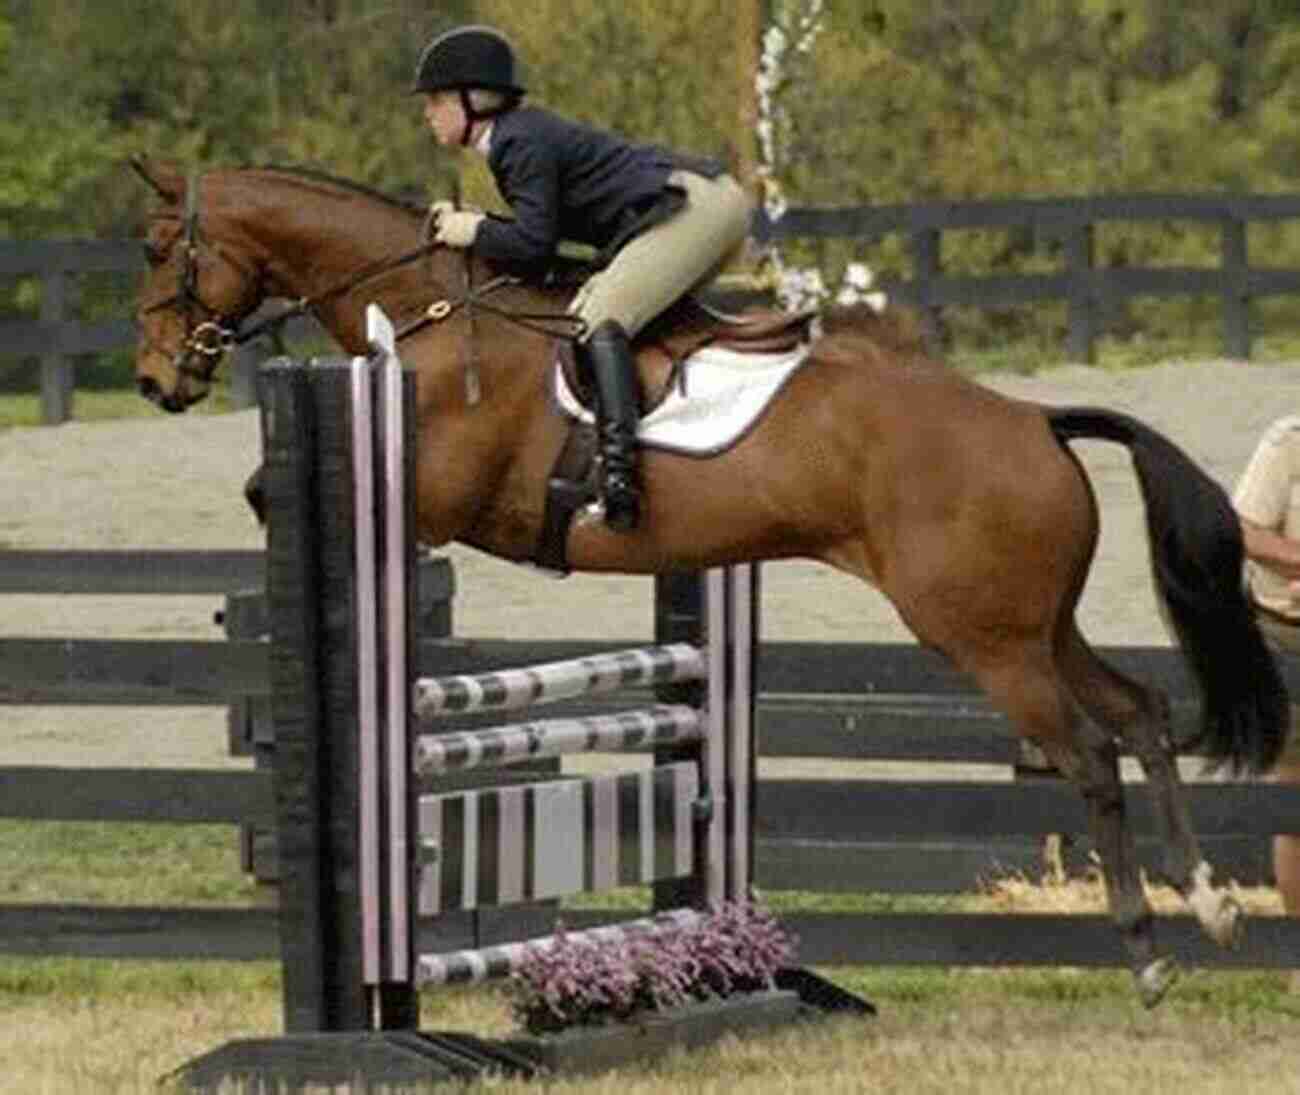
(471, 116)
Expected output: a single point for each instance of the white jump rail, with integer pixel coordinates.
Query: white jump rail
(665, 724)
(550, 682)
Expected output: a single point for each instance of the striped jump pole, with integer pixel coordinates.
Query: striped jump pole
(490, 963)
(662, 725)
(684, 826)
(550, 682)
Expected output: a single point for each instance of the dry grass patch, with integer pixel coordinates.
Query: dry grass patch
(1082, 894)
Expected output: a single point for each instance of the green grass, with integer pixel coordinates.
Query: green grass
(90, 405)
(73, 1024)
(636, 899)
(1238, 992)
(120, 863)
(75, 978)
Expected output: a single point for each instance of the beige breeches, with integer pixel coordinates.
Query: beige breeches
(665, 262)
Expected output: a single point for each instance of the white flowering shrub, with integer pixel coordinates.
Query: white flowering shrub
(787, 44)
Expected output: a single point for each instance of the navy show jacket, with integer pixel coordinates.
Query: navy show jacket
(565, 180)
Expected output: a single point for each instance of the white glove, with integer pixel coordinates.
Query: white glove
(458, 228)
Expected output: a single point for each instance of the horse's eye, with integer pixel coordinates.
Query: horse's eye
(154, 255)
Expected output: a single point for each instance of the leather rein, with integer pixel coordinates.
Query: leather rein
(209, 334)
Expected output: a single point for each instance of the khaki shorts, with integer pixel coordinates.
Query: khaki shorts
(1284, 640)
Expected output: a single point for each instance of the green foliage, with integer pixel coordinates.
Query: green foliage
(897, 101)
(45, 154)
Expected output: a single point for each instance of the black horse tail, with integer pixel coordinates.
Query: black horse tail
(1197, 555)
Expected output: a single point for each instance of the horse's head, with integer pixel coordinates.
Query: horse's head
(194, 293)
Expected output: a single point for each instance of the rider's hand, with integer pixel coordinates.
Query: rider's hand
(440, 208)
(457, 228)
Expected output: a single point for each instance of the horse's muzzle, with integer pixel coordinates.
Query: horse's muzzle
(149, 388)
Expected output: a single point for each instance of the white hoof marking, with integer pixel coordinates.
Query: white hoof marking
(1218, 911)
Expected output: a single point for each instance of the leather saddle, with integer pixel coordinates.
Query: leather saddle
(662, 351)
(664, 346)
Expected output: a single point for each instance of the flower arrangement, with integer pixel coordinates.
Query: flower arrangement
(786, 52)
(737, 948)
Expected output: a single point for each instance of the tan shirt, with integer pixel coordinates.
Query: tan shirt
(1269, 495)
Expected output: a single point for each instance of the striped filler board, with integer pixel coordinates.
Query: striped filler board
(510, 689)
(470, 967)
(667, 724)
(503, 845)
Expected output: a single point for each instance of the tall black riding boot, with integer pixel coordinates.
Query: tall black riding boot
(608, 356)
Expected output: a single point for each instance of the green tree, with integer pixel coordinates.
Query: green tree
(44, 154)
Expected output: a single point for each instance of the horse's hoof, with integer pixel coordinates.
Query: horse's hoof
(1228, 925)
(1154, 979)
(1218, 911)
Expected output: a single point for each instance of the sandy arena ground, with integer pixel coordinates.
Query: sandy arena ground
(175, 482)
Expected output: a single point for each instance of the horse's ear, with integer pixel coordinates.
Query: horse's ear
(167, 184)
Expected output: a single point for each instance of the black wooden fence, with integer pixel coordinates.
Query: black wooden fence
(1070, 225)
(823, 700)
(59, 334)
(1067, 224)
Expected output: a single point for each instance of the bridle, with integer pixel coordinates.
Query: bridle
(208, 332)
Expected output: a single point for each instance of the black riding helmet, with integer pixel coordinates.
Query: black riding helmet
(468, 57)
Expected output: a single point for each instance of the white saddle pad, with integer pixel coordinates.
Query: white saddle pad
(724, 394)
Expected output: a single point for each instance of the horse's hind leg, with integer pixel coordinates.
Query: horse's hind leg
(1043, 708)
(1140, 715)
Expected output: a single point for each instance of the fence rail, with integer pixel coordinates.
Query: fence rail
(1090, 291)
(883, 836)
(59, 334)
(131, 572)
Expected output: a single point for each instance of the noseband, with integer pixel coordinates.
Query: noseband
(208, 333)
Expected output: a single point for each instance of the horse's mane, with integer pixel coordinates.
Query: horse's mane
(895, 330)
(315, 175)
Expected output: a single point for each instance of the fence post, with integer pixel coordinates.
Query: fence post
(926, 269)
(244, 361)
(1079, 258)
(57, 379)
(679, 612)
(314, 578)
(1236, 290)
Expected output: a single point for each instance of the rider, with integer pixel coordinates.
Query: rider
(663, 222)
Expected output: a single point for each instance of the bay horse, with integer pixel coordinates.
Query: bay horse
(965, 508)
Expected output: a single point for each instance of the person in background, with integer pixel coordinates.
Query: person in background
(1267, 500)
(663, 222)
